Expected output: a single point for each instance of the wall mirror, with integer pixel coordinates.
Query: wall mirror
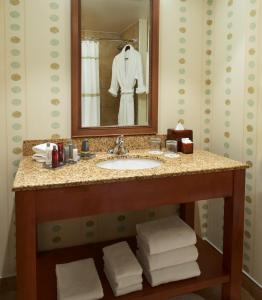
(114, 66)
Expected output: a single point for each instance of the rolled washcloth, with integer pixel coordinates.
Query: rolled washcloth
(170, 274)
(121, 261)
(78, 280)
(123, 291)
(165, 234)
(168, 258)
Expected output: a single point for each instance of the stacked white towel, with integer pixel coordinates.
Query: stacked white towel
(78, 280)
(122, 269)
(40, 152)
(167, 251)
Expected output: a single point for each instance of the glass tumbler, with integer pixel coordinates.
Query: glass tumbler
(155, 144)
(171, 146)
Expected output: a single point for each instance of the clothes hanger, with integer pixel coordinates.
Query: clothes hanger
(127, 47)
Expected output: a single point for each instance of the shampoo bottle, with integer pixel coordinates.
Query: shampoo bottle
(48, 154)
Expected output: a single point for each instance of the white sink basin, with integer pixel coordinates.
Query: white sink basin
(129, 164)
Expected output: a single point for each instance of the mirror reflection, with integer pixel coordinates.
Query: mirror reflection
(115, 46)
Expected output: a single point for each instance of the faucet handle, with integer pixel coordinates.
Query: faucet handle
(120, 139)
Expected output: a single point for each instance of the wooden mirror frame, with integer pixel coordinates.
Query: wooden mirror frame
(77, 129)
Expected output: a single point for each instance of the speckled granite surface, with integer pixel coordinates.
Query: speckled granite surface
(32, 176)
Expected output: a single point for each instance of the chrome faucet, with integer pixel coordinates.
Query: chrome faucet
(119, 148)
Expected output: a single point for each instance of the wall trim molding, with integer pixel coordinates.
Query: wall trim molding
(252, 286)
(248, 282)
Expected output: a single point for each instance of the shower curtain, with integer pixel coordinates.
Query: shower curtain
(90, 84)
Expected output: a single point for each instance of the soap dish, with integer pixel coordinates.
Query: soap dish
(61, 164)
(171, 155)
(155, 152)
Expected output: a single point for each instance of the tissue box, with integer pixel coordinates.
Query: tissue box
(178, 135)
(187, 148)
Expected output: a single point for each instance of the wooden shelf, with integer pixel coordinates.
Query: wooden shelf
(210, 261)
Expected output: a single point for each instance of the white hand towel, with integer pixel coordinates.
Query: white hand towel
(165, 234)
(121, 261)
(41, 148)
(170, 274)
(120, 292)
(188, 297)
(78, 280)
(168, 258)
(123, 282)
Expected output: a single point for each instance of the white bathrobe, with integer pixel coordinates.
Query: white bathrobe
(126, 72)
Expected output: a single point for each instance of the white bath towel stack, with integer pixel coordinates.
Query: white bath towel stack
(122, 269)
(78, 280)
(40, 152)
(167, 251)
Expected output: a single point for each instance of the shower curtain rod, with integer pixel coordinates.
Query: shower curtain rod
(113, 40)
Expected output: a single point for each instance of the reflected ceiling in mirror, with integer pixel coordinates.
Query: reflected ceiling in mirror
(115, 56)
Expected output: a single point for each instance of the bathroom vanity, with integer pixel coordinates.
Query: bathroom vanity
(85, 189)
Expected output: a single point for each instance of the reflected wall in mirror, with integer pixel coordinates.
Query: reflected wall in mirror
(116, 67)
(115, 62)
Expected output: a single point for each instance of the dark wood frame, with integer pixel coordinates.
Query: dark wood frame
(77, 130)
(36, 271)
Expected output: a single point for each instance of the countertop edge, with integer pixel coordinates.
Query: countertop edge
(126, 179)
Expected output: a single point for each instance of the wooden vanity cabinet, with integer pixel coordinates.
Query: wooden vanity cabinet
(36, 271)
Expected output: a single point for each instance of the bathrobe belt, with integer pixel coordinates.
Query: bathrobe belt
(127, 92)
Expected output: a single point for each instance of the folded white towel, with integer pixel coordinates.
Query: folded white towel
(123, 282)
(165, 234)
(168, 258)
(170, 274)
(78, 280)
(41, 148)
(188, 297)
(121, 261)
(120, 292)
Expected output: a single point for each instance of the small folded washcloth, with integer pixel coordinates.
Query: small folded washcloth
(168, 258)
(165, 234)
(188, 297)
(123, 291)
(41, 148)
(170, 274)
(121, 261)
(78, 280)
(123, 282)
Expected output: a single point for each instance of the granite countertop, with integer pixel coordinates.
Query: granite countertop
(32, 176)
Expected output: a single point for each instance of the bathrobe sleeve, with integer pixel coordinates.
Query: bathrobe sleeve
(114, 82)
(139, 75)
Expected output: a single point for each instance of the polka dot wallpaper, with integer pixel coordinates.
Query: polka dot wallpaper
(232, 76)
(209, 80)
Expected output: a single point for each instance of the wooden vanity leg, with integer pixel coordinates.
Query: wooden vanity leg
(233, 237)
(26, 246)
(187, 213)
